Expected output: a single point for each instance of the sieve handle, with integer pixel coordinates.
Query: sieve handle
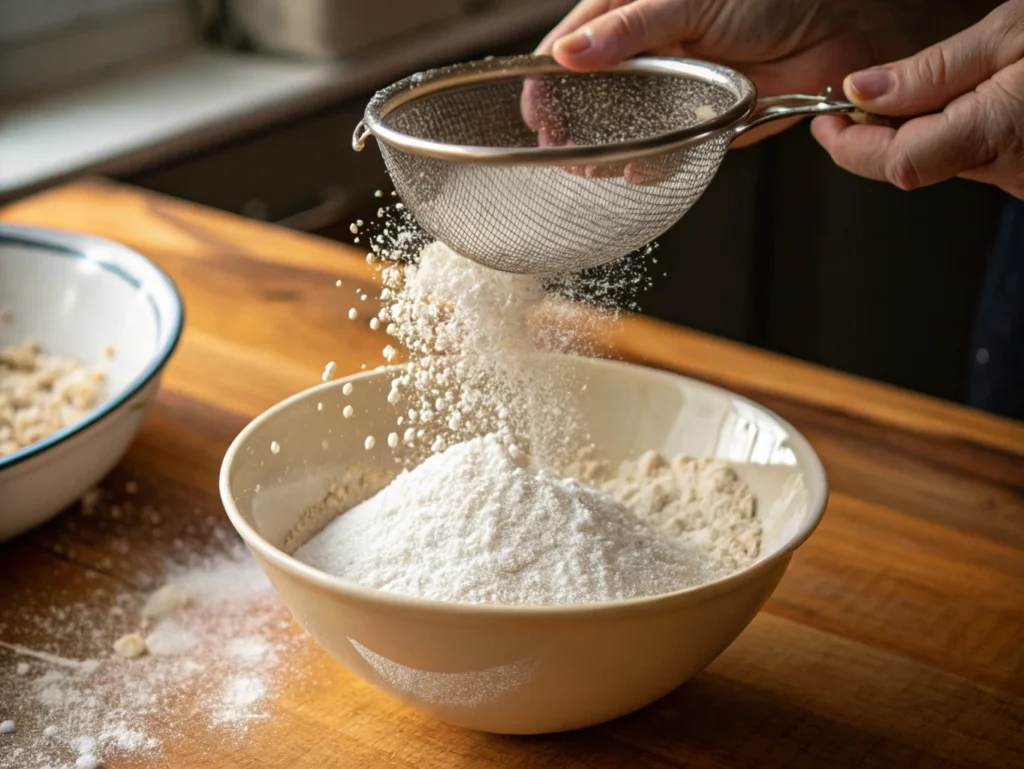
(797, 106)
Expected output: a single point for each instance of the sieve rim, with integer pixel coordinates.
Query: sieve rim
(424, 84)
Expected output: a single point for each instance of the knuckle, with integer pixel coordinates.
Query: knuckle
(1001, 113)
(630, 21)
(1008, 20)
(902, 172)
(932, 66)
(1009, 23)
(842, 158)
(1004, 94)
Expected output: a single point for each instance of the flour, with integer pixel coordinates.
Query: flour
(170, 639)
(240, 698)
(702, 501)
(220, 651)
(494, 514)
(473, 357)
(164, 602)
(248, 648)
(88, 761)
(474, 525)
(475, 341)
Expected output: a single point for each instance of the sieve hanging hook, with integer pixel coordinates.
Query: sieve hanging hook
(359, 136)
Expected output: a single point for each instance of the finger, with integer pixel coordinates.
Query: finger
(1000, 174)
(921, 152)
(605, 171)
(626, 30)
(531, 103)
(534, 106)
(647, 172)
(671, 51)
(860, 152)
(585, 11)
(931, 79)
(553, 138)
(549, 137)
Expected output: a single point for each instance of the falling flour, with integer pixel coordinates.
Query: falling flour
(476, 525)
(476, 344)
(473, 355)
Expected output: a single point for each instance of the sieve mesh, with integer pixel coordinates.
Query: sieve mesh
(547, 217)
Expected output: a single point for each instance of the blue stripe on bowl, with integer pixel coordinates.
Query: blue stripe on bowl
(99, 251)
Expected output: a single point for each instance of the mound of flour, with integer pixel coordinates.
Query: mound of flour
(478, 524)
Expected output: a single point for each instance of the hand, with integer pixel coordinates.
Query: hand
(784, 46)
(976, 79)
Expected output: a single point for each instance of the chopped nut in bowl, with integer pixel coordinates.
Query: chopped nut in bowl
(86, 327)
(41, 394)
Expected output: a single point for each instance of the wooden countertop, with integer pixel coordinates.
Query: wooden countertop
(895, 639)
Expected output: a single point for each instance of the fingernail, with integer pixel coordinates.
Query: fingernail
(576, 43)
(871, 83)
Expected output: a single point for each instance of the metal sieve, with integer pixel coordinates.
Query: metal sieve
(527, 167)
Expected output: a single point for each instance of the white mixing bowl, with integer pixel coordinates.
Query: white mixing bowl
(78, 295)
(524, 669)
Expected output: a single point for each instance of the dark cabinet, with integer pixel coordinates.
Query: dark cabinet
(788, 252)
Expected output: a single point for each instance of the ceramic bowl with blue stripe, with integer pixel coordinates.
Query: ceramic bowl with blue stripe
(82, 297)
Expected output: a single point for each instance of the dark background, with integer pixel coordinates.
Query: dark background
(784, 251)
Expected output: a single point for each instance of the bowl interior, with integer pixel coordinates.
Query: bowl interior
(89, 299)
(75, 308)
(630, 409)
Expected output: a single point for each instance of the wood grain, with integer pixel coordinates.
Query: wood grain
(896, 638)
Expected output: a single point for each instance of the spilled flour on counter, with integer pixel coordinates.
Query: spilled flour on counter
(213, 656)
(476, 524)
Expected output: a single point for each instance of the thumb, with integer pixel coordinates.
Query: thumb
(627, 30)
(931, 79)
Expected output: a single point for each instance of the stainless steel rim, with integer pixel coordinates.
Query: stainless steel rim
(423, 84)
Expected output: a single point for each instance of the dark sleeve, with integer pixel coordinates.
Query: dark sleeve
(997, 366)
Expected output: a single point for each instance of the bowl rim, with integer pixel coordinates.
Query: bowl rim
(691, 595)
(116, 259)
